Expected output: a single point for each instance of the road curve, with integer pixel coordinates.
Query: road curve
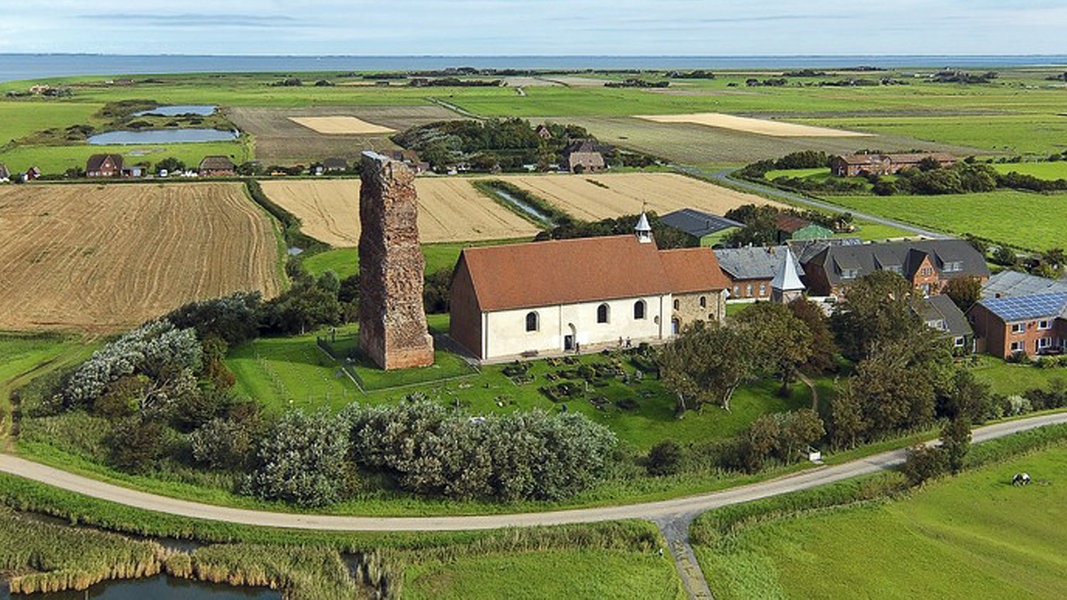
(649, 511)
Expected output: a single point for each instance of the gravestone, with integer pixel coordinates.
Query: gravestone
(392, 321)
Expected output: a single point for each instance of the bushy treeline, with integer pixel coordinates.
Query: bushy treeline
(167, 395)
(761, 223)
(518, 456)
(805, 159)
(430, 450)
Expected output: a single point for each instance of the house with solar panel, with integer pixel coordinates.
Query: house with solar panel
(1030, 324)
(705, 229)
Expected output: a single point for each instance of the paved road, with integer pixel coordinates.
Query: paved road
(654, 511)
(723, 177)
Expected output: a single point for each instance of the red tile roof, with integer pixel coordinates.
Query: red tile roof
(693, 270)
(583, 270)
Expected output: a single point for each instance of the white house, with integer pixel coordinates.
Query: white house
(561, 295)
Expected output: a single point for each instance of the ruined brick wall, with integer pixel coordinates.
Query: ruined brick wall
(392, 321)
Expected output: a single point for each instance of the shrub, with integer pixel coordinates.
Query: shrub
(303, 460)
(664, 458)
(924, 463)
(433, 451)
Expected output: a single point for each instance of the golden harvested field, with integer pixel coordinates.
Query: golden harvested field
(104, 258)
(749, 125)
(340, 125)
(450, 210)
(624, 194)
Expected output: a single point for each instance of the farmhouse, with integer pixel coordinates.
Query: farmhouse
(751, 270)
(929, 265)
(543, 132)
(583, 157)
(1031, 324)
(853, 165)
(568, 295)
(31, 174)
(104, 165)
(705, 228)
(216, 166)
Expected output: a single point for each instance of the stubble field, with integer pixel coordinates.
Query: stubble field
(450, 210)
(105, 258)
(750, 125)
(595, 197)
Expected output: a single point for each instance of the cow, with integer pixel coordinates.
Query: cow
(1021, 479)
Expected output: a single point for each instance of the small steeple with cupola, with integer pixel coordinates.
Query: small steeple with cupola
(643, 230)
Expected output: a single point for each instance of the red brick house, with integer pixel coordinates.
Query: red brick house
(751, 270)
(855, 165)
(1032, 324)
(583, 157)
(104, 165)
(929, 265)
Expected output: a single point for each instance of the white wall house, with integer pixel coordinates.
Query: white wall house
(550, 297)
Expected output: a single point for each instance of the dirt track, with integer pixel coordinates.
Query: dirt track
(757, 126)
(103, 258)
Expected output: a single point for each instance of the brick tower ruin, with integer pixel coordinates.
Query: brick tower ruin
(392, 322)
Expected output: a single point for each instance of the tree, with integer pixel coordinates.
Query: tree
(780, 341)
(956, 441)
(706, 364)
(1056, 258)
(876, 309)
(964, 291)
(137, 444)
(823, 357)
(761, 228)
(898, 382)
(171, 164)
(966, 396)
(799, 430)
(847, 425)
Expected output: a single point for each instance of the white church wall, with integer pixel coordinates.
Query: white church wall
(504, 332)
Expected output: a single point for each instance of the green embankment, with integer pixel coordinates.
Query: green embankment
(971, 536)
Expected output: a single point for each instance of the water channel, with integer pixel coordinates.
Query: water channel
(162, 136)
(179, 109)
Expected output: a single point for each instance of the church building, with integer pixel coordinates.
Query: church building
(577, 294)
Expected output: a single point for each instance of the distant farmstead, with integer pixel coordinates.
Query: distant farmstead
(584, 157)
(217, 166)
(854, 165)
(570, 295)
(104, 165)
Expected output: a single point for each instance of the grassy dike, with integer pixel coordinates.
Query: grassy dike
(604, 560)
(970, 536)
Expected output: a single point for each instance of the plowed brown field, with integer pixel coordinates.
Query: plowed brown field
(104, 258)
(624, 194)
(450, 210)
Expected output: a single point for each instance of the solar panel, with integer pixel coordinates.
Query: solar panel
(1021, 308)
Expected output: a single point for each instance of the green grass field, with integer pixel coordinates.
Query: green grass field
(1005, 378)
(1041, 170)
(439, 257)
(21, 355)
(582, 573)
(1027, 220)
(973, 536)
(19, 119)
(57, 159)
(293, 372)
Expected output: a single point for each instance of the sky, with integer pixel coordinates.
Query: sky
(535, 27)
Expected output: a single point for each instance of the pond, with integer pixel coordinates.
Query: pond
(162, 136)
(161, 587)
(179, 109)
